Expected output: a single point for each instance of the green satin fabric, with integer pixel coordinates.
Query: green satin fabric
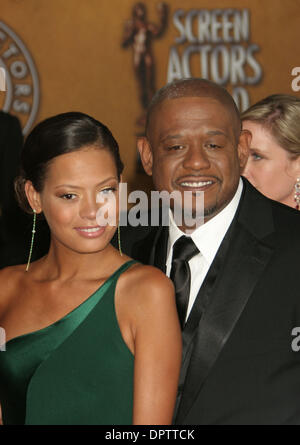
(77, 371)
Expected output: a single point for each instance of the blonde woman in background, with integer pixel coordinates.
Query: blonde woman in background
(273, 165)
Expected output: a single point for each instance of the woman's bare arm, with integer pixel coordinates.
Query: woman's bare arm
(157, 345)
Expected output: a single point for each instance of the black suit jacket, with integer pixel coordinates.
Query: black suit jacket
(15, 225)
(238, 364)
(12, 220)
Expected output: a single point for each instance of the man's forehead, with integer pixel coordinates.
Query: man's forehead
(176, 105)
(206, 109)
(185, 110)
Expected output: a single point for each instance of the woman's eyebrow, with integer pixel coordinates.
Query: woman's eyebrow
(78, 187)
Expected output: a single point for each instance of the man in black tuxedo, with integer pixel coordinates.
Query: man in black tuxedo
(15, 225)
(239, 270)
(12, 220)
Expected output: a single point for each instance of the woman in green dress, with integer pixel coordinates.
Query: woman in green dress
(92, 337)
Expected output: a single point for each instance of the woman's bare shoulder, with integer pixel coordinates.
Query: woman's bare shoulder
(147, 284)
(10, 271)
(146, 300)
(10, 276)
(151, 276)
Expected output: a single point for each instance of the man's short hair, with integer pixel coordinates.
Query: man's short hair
(195, 87)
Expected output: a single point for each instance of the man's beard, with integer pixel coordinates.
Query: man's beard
(210, 211)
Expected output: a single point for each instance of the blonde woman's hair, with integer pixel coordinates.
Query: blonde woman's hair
(279, 114)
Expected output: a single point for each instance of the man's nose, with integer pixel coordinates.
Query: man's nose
(196, 158)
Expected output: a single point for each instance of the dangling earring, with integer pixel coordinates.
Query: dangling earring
(32, 239)
(119, 241)
(297, 194)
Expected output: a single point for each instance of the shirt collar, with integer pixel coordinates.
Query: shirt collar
(209, 236)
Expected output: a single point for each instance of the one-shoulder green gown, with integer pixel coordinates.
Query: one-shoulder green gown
(77, 371)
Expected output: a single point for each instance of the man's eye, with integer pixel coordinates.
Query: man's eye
(175, 147)
(213, 146)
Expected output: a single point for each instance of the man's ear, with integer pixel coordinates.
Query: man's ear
(33, 197)
(244, 147)
(146, 154)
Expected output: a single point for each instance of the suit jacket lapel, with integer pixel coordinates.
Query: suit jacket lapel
(204, 296)
(152, 249)
(159, 251)
(244, 264)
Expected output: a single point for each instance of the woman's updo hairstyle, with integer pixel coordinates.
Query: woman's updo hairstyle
(280, 115)
(55, 136)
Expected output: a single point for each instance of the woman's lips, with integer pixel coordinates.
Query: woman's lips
(90, 232)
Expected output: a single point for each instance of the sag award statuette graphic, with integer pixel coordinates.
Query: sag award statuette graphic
(139, 34)
(216, 44)
(21, 94)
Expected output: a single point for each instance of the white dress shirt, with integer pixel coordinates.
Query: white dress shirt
(207, 238)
